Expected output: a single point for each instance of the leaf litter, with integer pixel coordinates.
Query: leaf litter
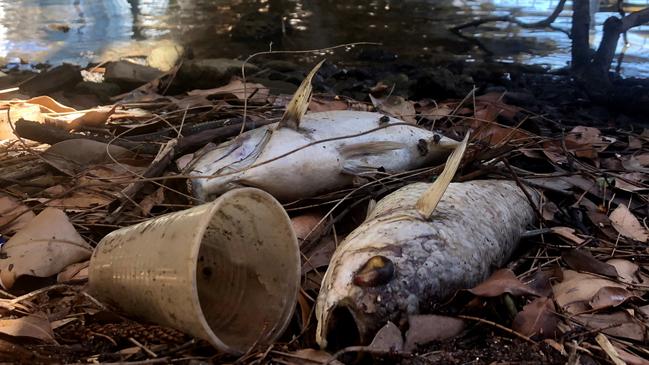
(581, 277)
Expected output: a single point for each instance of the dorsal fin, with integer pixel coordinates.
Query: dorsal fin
(298, 105)
(428, 201)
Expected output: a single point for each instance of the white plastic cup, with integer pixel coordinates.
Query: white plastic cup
(227, 271)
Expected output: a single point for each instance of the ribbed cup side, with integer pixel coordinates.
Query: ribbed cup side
(226, 271)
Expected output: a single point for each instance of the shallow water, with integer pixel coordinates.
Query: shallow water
(102, 29)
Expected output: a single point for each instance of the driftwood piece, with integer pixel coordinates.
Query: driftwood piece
(22, 171)
(50, 134)
(191, 136)
(216, 134)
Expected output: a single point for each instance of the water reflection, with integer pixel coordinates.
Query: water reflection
(231, 28)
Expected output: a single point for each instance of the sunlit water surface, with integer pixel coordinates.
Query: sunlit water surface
(101, 29)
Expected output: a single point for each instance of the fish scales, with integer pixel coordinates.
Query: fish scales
(474, 230)
(295, 164)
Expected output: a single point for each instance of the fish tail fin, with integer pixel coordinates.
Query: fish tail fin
(299, 104)
(428, 202)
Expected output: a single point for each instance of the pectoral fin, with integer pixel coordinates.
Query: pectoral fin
(370, 208)
(299, 104)
(355, 156)
(428, 202)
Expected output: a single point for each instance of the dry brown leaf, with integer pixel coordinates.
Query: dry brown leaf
(636, 163)
(494, 134)
(12, 210)
(151, 200)
(396, 106)
(627, 224)
(636, 179)
(80, 200)
(582, 260)
(191, 101)
(78, 271)
(74, 155)
(610, 296)
(629, 358)
(113, 172)
(537, 318)
(611, 163)
(305, 223)
(305, 309)
(490, 106)
(320, 256)
(569, 234)
(500, 282)
(94, 118)
(602, 222)
(32, 326)
(388, 338)
(380, 89)
(551, 183)
(586, 142)
(90, 118)
(310, 357)
(549, 210)
(553, 151)
(557, 346)
(423, 329)
(620, 324)
(25, 111)
(86, 196)
(577, 289)
(542, 280)
(635, 143)
(63, 322)
(255, 92)
(642, 158)
(46, 245)
(628, 272)
(50, 105)
(325, 105)
(432, 111)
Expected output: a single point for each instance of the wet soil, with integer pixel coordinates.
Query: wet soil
(485, 347)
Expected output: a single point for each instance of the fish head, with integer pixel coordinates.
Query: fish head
(223, 168)
(357, 297)
(205, 190)
(437, 147)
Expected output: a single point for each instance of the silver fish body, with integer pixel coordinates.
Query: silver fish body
(294, 164)
(397, 263)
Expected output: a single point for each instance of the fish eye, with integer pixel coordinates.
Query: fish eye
(377, 271)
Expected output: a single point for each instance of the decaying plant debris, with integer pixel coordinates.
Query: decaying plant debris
(575, 288)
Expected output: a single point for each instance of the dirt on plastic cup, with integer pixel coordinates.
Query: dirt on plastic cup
(226, 271)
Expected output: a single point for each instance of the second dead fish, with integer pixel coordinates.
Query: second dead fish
(305, 155)
(417, 246)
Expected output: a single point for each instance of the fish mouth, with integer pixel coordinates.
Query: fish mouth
(347, 327)
(197, 189)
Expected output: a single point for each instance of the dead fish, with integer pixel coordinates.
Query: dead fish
(305, 155)
(412, 252)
